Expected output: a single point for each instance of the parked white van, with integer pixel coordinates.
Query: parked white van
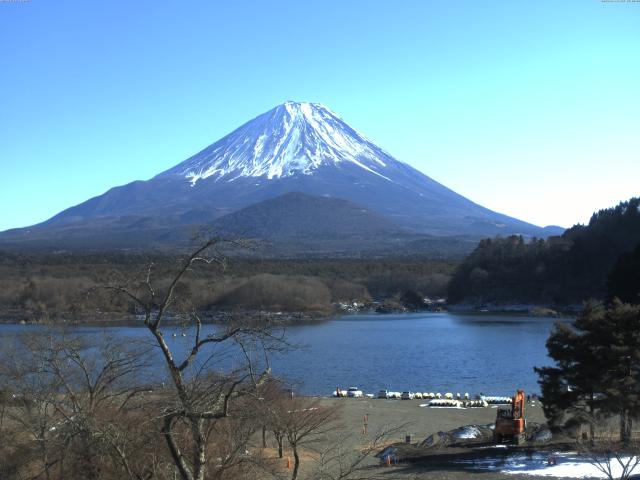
(354, 392)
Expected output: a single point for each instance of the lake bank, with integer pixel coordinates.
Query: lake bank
(526, 309)
(218, 316)
(118, 319)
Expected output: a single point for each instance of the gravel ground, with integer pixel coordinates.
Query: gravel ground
(422, 422)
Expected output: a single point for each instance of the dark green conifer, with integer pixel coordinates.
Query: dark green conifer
(597, 371)
(624, 279)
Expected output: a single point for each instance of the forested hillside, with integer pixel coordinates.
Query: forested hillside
(558, 271)
(66, 286)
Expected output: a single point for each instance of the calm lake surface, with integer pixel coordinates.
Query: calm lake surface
(427, 352)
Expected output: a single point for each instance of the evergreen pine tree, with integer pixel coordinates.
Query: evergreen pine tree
(624, 279)
(597, 368)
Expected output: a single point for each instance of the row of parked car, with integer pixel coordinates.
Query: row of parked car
(355, 392)
(408, 395)
(352, 392)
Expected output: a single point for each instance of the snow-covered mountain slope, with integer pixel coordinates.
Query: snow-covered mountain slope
(295, 147)
(293, 138)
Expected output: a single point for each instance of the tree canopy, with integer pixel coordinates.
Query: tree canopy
(560, 270)
(597, 371)
(624, 279)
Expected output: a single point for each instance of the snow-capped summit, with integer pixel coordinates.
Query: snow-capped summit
(292, 138)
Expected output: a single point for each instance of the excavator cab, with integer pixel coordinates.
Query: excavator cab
(510, 423)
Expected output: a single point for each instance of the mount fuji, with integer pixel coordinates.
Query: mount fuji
(297, 154)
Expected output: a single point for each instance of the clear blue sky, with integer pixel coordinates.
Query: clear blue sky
(531, 108)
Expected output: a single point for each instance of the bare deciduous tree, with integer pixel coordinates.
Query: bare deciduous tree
(306, 422)
(202, 401)
(69, 398)
(609, 454)
(339, 463)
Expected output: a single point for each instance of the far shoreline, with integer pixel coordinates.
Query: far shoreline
(284, 319)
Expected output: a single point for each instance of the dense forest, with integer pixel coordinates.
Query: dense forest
(587, 261)
(50, 287)
(599, 260)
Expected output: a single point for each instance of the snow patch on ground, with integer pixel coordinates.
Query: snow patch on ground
(567, 465)
(470, 431)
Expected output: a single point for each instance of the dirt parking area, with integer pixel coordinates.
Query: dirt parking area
(419, 423)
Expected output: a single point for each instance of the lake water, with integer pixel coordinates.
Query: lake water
(426, 352)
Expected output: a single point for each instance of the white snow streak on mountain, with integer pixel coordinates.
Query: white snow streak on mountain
(293, 138)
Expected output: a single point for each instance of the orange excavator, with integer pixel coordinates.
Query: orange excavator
(510, 423)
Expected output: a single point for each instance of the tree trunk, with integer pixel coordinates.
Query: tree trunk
(296, 462)
(264, 436)
(591, 421)
(625, 427)
(45, 458)
(87, 463)
(628, 425)
(279, 438)
(200, 447)
(2, 419)
(176, 454)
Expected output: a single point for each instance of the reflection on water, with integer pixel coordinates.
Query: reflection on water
(422, 352)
